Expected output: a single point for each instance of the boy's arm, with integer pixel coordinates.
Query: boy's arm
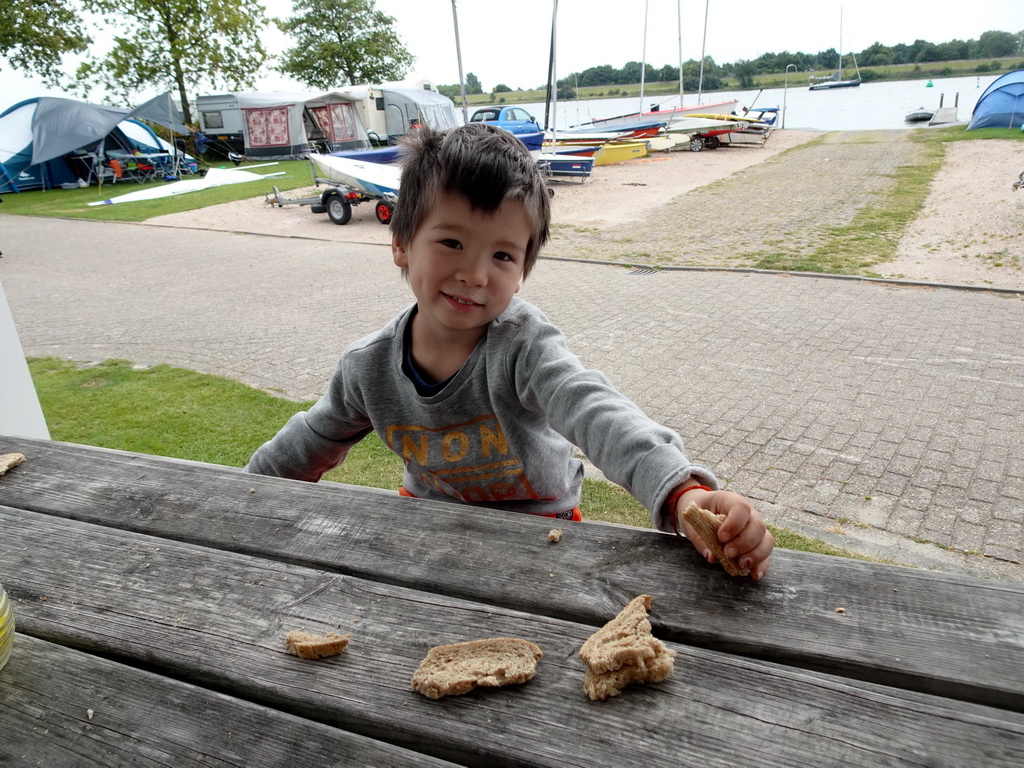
(633, 451)
(316, 441)
(300, 452)
(743, 535)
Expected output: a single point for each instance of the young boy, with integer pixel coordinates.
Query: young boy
(472, 387)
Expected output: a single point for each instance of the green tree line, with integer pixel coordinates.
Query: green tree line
(989, 45)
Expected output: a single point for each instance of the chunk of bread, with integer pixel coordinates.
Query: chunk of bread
(706, 524)
(451, 670)
(309, 646)
(9, 461)
(623, 652)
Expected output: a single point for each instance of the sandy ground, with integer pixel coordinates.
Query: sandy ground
(970, 231)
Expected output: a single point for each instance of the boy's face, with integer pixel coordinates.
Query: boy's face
(465, 265)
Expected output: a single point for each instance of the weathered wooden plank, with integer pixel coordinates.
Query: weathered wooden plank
(218, 619)
(924, 631)
(61, 707)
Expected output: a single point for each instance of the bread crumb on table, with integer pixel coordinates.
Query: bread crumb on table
(555, 535)
(9, 461)
(309, 646)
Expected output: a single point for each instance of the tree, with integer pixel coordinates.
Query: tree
(745, 71)
(177, 44)
(35, 35)
(473, 84)
(342, 42)
(996, 45)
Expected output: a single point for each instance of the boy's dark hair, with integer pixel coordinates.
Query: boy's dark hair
(482, 162)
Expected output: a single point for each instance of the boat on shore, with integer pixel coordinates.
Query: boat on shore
(657, 115)
(557, 166)
(620, 151)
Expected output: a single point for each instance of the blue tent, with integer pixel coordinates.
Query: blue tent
(46, 142)
(1002, 103)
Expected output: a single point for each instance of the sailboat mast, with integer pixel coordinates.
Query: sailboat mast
(554, 77)
(643, 61)
(703, 47)
(679, 29)
(551, 72)
(458, 53)
(840, 42)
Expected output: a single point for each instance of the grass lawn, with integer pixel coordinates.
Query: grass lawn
(167, 411)
(74, 203)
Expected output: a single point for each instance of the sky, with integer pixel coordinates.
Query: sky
(508, 43)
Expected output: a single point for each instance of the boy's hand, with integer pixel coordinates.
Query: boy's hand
(744, 535)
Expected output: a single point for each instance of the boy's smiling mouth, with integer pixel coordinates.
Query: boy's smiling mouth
(460, 301)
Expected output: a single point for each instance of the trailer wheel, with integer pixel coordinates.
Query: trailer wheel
(696, 143)
(383, 210)
(339, 210)
(712, 142)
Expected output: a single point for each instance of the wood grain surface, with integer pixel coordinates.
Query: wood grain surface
(908, 628)
(218, 619)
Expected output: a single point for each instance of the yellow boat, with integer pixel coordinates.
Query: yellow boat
(620, 151)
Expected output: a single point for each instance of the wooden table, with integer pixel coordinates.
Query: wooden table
(153, 597)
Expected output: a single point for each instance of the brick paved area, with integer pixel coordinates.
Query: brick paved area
(885, 418)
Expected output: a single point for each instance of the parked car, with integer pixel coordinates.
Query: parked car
(515, 120)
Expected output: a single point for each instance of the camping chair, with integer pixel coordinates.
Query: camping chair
(148, 171)
(130, 169)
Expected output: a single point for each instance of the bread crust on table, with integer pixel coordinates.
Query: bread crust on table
(624, 652)
(451, 670)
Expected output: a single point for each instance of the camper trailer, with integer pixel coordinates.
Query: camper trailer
(280, 125)
(220, 120)
(391, 110)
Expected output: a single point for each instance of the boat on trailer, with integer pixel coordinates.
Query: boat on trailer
(559, 167)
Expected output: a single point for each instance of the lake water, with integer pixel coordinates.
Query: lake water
(871, 106)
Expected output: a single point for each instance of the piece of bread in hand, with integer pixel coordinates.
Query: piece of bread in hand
(624, 651)
(309, 646)
(450, 670)
(9, 461)
(706, 524)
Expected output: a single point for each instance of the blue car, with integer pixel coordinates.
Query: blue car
(515, 120)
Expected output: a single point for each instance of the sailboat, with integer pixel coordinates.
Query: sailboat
(556, 165)
(835, 80)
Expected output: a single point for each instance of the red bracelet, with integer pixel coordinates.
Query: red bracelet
(672, 505)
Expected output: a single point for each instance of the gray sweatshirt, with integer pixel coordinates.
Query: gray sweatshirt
(501, 432)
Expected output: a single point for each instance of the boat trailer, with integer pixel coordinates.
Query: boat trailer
(336, 201)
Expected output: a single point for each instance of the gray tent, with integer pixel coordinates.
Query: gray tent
(162, 110)
(41, 138)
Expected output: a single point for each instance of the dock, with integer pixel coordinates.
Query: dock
(943, 115)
